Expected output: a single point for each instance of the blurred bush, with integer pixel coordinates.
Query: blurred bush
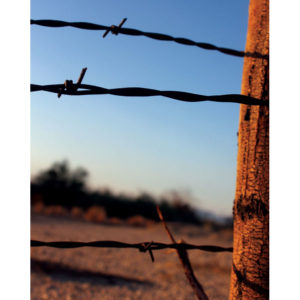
(139, 221)
(60, 185)
(95, 214)
(77, 212)
(115, 221)
(38, 207)
(56, 210)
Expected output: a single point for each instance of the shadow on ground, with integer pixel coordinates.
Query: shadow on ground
(64, 273)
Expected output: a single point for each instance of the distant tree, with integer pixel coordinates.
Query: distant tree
(61, 185)
(175, 207)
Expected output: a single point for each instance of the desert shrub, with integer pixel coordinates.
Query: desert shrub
(38, 207)
(95, 214)
(178, 211)
(139, 221)
(77, 212)
(115, 221)
(56, 210)
(61, 185)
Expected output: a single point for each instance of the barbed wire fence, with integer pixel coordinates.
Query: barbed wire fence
(69, 88)
(72, 90)
(143, 247)
(180, 247)
(135, 32)
(79, 89)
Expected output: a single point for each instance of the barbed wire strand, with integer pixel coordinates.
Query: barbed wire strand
(145, 92)
(157, 36)
(139, 246)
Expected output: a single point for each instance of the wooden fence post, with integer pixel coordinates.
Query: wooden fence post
(250, 268)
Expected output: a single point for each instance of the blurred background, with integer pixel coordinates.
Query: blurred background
(138, 148)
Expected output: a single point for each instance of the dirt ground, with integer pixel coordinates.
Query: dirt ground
(93, 273)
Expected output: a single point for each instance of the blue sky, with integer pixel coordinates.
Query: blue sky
(141, 144)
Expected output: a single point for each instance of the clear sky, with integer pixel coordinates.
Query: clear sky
(141, 144)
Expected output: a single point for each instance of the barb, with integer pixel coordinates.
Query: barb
(145, 246)
(152, 35)
(69, 86)
(144, 92)
(114, 29)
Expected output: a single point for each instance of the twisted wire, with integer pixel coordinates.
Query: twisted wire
(145, 246)
(152, 35)
(145, 92)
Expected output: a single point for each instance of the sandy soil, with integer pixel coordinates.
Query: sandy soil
(91, 273)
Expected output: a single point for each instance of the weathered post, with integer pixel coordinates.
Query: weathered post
(250, 268)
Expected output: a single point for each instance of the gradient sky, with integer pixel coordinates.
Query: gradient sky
(149, 144)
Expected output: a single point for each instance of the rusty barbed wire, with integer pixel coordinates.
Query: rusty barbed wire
(73, 89)
(157, 36)
(143, 247)
(139, 246)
